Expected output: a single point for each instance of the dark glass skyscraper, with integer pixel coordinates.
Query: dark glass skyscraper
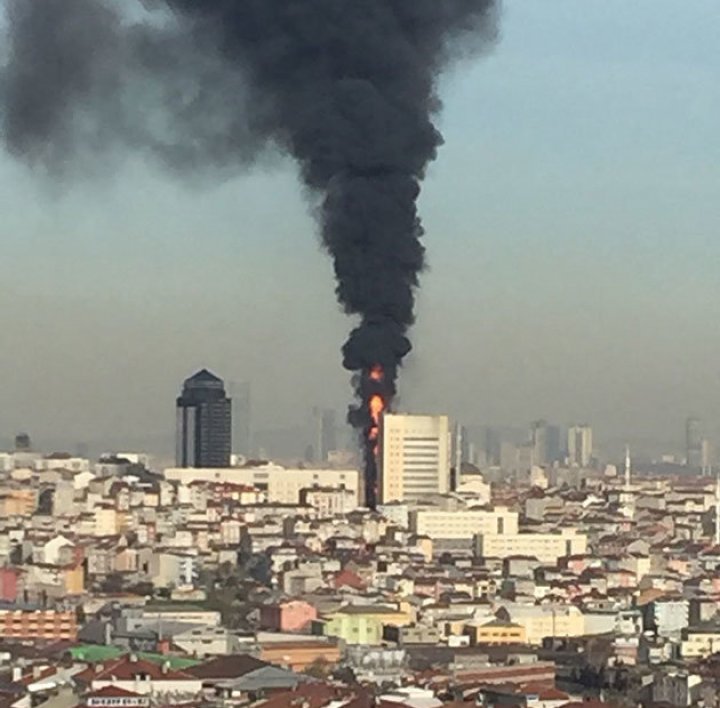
(204, 422)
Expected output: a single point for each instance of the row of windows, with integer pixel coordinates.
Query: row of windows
(494, 635)
(48, 624)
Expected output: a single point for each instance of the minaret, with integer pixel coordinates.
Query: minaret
(627, 496)
(717, 506)
(627, 468)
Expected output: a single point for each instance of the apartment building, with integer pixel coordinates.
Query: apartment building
(546, 547)
(463, 524)
(51, 625)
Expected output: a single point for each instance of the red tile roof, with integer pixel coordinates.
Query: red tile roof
(312, 695)
(31, 678)
(347, 578)
(114, 692)
(127, 668)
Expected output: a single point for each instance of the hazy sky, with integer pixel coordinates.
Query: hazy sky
(572, 229)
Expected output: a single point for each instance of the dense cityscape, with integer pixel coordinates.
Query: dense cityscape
(357, 354)
(495, 573)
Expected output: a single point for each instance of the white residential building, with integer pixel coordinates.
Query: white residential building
(414, 457)
(283, 485)
(546, 547)
(463, 524)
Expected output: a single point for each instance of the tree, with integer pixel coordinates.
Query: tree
(319, 669)
(113, 583)
(144, 588)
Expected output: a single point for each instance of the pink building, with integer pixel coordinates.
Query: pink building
(9, 584)
(578, 563)
(621, 578)
(290, 616)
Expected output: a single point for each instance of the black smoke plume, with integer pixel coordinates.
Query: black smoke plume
(347, 87)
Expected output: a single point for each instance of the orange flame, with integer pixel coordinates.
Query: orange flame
(376, 406)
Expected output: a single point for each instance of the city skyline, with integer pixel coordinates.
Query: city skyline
(537, 442)
(567, 267)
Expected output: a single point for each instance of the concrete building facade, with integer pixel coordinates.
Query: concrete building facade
(463, 524)
(35, 625)
(283, 485)
(580, 445)
(414, 457)
(546, 547)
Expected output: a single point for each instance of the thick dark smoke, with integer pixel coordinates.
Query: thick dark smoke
(347, 87)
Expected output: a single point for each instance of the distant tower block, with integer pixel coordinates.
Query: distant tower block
(580, 445)
(204, 422)
(693, 443)
(23, 442)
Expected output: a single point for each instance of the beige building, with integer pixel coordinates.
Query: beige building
(496, 631)
(283, 485)
(109, 521)
(329, 501)
(540, 621)
(466, 524)
(546, 547)
(700, 642)
(17, 502)
(414, 457)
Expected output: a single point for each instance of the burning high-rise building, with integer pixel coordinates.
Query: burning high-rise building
(348, 89)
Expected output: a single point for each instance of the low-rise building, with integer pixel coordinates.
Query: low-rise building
(548, 548)
(700, 641)
(298, 656)
(463, 524)
(282, 485)
(145, 677)
(329, 501)
(358, 624)
(496, 631)
(288, 616)
(51, 625)
(542, 621)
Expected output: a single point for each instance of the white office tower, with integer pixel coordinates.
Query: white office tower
(414, 457)
(580, 445)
